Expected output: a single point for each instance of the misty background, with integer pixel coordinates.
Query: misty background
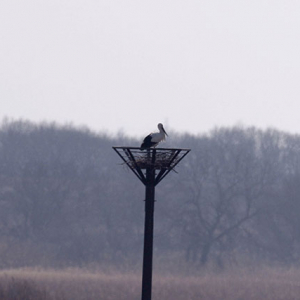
(78, 77)
(68, 200)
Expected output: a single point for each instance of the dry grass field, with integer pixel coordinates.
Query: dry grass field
(77, 284)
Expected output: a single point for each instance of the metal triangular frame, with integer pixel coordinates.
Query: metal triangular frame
(162, 160)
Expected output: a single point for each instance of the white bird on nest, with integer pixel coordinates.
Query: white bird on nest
(153, 139)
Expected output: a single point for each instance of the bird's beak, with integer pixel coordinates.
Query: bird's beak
(164, 131)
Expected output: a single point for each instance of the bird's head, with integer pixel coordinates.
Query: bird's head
(161, 128)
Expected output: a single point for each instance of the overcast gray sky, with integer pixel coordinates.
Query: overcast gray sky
(128, 65)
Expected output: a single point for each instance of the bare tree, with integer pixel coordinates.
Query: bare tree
(224, 183)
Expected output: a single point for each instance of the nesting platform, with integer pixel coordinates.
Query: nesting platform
(159, 160)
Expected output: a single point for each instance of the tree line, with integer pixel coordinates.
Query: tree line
(66, 198)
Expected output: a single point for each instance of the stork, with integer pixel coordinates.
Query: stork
(153, 139)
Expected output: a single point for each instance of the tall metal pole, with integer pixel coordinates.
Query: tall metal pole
(143, 165)
(148, 236)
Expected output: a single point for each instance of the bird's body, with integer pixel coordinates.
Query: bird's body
(153, 139)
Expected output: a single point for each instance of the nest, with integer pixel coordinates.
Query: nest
(163, 160)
